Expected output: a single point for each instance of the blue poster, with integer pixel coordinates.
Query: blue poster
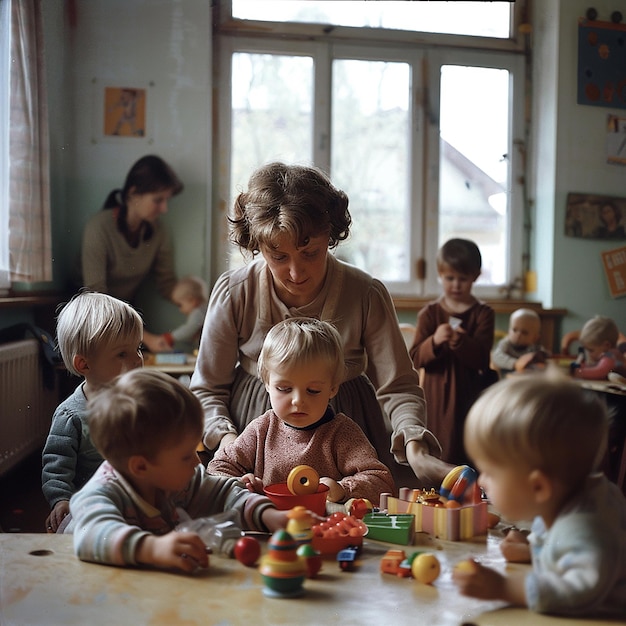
(602, 64)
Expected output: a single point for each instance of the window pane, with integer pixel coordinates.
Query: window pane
(370, 148)
(486, 19)
(474, 165)
(272, 100)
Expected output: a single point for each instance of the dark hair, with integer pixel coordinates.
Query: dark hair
(294, 199)
(149, 174)
(616, 212)
(462, 255)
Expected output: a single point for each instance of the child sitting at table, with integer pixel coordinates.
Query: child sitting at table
(190, 295)
(520, 349)
(302, 364)
(147, 426)
(599, 338)
(99, 337)
(537, 441)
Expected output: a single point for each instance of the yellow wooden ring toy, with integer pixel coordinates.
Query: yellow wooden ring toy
(302, 480)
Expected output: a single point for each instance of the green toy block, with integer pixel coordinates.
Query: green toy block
(397, 528)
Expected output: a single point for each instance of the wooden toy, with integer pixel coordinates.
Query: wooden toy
(302, 480)
(312, 558)
(282, 570)
(300, 525)
(452, 524)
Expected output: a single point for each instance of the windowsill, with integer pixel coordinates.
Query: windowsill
(14, 299)
(499, 305)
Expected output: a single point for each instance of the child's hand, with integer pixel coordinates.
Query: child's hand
(515, 547)
(524, 361)
(252, 483)
(336, 492)
(59, 512)
(443, 334)
(274, 519)
(182, 550)
(478, 581)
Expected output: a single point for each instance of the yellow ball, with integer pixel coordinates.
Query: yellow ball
(465, 566)
(425, 568)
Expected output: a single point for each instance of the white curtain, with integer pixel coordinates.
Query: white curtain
(30, 249)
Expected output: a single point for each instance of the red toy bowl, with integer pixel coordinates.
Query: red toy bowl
(284, 500)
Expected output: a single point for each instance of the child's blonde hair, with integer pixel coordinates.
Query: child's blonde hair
(599, 329)
(141, 413)
(299, 340)
(191, 287)
(91, 321)
(539, 421)
(529, 314)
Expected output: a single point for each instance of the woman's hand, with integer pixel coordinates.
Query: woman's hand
(181, 550)
(59, 512)
(428, 469)
(336, 492)
(226, 439)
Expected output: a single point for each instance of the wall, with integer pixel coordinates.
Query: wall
(569, 156)
(164, 46)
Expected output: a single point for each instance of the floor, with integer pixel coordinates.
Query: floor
(23, 509)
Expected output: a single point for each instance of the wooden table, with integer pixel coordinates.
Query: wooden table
(42, 582)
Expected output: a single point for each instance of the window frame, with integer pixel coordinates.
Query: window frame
(429, 51)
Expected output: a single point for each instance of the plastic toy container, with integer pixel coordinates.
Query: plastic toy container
(284, 500)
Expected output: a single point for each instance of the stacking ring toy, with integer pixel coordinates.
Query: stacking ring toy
(302, 480)
(457, 483)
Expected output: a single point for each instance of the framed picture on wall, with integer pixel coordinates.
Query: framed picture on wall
(595, 217)
(121, 112)
(124, 111)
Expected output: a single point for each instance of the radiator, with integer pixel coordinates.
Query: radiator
(26, 404)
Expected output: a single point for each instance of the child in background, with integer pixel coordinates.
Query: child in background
(147, 426)
(190, 295)
(599, 338)
(302, 364)
(452, 343)
(520, 349)
(537, 441)
(99, 337)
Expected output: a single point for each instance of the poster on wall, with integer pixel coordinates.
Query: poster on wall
(614, 262)
(595, 217)
(616, 139)
(601, 64)
(124, 111)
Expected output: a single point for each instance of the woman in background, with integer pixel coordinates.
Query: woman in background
(126, 242)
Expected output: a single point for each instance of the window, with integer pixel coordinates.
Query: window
(5, 47)
(424, 139)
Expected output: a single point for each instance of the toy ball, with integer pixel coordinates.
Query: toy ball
(359, 507)
(425, 568)
(247, 551)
